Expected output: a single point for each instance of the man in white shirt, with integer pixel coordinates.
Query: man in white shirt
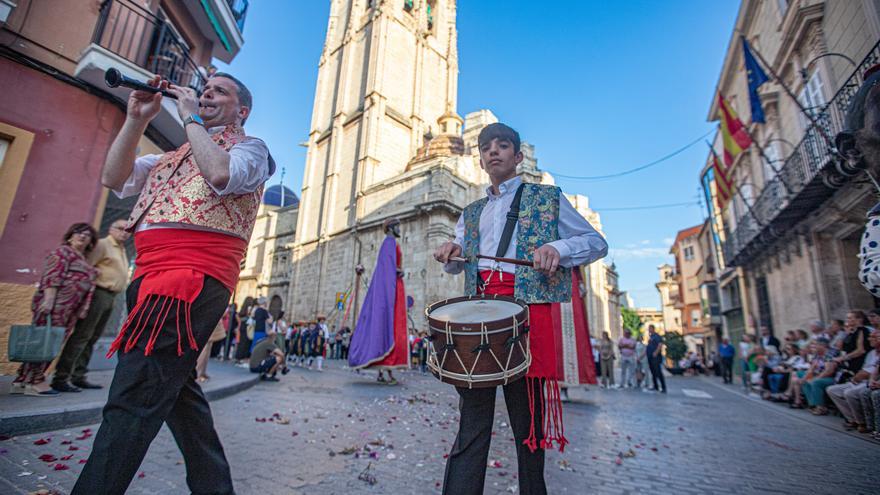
(556, 239)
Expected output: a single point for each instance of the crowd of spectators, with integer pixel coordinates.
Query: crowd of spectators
(827, 367)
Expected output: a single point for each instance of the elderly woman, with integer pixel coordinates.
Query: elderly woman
(65, 291)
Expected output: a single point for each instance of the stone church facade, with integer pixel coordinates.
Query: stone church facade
(385, 141)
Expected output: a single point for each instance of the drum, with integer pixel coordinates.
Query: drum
(478, 341)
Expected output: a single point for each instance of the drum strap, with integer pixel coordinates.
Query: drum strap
(507, 233)
(512, 217)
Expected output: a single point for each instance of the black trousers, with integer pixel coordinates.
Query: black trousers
(73, 364)
(657, 372)
(161, 388)
(727, 369)
(466, 465)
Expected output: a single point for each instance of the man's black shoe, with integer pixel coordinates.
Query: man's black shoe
(88, 385)
(65, 387)
(265, 378)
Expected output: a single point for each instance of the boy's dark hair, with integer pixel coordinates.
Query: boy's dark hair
(501, 132)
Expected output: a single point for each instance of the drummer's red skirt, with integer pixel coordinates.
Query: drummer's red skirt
(542, 346)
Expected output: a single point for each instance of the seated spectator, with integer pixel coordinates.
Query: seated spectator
(819, 377)
(855, 345)
(848, 396)
(802, 338)
(778, 377)
(267, 359)
(836, 333)
(874, 319)
(799, 370)
(817, 329)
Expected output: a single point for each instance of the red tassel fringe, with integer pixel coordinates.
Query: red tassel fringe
(550, 404)
(139, 318)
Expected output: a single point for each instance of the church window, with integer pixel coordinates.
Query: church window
(431, 6)
(407, 5)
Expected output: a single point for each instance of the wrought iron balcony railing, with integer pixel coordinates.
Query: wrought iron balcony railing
(148, 41)
(805, 180)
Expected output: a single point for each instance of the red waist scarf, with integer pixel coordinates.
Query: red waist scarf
(172, 264)
(544, 369)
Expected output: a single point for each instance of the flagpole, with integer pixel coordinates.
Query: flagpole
(738, 191)
(803, 109)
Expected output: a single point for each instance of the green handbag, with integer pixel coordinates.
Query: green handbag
(35, 344)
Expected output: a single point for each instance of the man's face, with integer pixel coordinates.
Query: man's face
(499, 160)
(118, 232)
(874, 319)
(219, 103)
(874, 339)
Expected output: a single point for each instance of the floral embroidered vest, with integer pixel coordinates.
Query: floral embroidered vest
(176, 192)
(538, 224)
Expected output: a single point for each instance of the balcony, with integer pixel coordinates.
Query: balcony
(140, 44)
(222, 21)
(810, 175)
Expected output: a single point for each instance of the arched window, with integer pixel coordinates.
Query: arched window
(431, 8)
(407, 5)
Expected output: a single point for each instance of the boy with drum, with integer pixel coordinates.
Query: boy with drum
(547, 230)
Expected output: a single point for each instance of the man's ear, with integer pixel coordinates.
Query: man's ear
(481, 164)
(518, 157)
(244, 113)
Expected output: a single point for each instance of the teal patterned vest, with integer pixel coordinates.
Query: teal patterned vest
(538, 225)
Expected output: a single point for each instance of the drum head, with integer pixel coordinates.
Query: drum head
(476, 311)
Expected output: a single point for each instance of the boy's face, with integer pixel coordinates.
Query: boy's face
(499, 160)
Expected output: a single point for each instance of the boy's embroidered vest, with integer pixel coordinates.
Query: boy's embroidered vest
(176, 192)
(538, 224)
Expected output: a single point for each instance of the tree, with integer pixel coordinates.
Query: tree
(631, 322)
(675, 346)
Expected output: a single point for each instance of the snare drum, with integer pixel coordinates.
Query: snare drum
(478, 341)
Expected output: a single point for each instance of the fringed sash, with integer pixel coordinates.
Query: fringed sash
(543, 374)
(172, 264)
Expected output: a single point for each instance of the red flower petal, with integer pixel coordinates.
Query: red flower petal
(66, 442)
(43, 441)
(141, 475)
(61, 467)
(73, 447)
(82, 461)
(47, 458)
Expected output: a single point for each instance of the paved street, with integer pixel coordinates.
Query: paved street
(314, 433)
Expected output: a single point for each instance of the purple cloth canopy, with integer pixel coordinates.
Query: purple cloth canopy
(373, 336)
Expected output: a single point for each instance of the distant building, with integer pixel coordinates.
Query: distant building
(651, 316)
(266, 268)
(688, 261)
(614, 325)
(668, 289)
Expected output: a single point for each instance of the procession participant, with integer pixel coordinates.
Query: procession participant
(318, 341)
(109, 258)
(379, 340)
(192, 222)
(550, 232)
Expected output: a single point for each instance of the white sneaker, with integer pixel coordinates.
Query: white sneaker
(16, 388)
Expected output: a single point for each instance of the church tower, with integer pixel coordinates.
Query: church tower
(387, 85)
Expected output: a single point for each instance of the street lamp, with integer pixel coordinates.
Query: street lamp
(805, 71)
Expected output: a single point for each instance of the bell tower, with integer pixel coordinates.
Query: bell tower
(387, 74)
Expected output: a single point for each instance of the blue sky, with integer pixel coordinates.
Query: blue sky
(598, 87)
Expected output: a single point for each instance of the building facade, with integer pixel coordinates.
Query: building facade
(668, 288)
(688, 262)
(386, 142)
(58, 118)
(786, 245)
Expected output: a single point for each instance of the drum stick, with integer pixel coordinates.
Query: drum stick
(503, 260)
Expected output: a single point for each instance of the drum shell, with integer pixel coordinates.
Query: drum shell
(467, 336)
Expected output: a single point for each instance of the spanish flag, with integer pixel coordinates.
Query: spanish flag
(723, 185)
(733, 132)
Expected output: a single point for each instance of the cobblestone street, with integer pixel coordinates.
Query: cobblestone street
(314, 433)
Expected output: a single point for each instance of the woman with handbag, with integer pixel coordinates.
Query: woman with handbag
(63, 296)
